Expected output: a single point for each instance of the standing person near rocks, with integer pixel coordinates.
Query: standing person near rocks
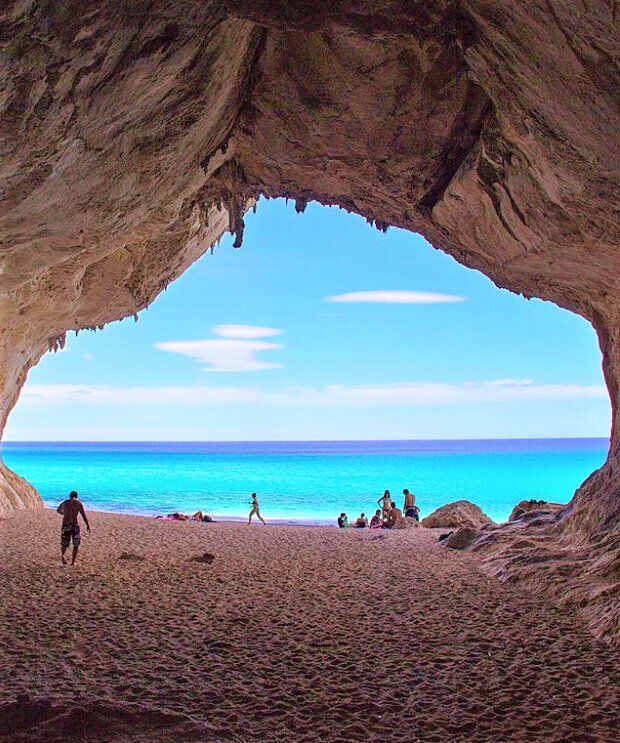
(255, 510)
(409, 507)
(70, 529)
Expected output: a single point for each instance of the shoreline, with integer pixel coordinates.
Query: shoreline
(218, 518)
(304, 483)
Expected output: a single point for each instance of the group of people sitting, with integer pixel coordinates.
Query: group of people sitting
(386, 517)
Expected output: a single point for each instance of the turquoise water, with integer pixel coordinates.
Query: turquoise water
(307, 481)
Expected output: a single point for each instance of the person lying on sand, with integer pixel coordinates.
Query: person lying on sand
(362, 521)
(375, 521)
(200, 516)
(255, 510)
(70, 529)
(386, 503)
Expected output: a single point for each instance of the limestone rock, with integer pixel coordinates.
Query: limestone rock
(533, 506)
(462, 538)
(133, 134)
(457, 514)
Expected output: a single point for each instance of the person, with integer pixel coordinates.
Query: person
(200, 516)
(343, 521)
(394, 518)
(362, 521)
(410, 509)
(70, 529)
(375, 521)
(386, 503)
(409, 501)
(255, 510)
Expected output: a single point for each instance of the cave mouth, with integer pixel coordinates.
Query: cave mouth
(135, 136)
(439, 342)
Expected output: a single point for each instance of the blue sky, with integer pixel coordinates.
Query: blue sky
(321, 327)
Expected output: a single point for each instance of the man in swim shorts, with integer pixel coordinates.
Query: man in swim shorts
(255, 510)
(70, 529)
(409, 507)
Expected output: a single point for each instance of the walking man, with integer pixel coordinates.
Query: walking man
(70, 529)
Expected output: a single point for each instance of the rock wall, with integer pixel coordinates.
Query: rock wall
(133, 133)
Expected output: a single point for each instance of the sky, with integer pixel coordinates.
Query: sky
(321, 327)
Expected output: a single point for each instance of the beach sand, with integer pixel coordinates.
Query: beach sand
(290, 634)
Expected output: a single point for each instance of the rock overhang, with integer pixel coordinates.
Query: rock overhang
(133, 135)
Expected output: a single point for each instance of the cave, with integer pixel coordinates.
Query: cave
(133, 137)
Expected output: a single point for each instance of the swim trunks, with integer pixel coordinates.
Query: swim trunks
(70, 532)
(410, 512)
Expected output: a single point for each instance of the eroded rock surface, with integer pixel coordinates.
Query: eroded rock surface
(462, 539)
(531, 508)
(457, 514)
(132, 134)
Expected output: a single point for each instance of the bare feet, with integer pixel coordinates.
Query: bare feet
(62, 557)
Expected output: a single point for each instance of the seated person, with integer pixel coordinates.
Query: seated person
(395, 518)
(411, 515)
(362, 521)
(397, 515)
(375, 521)
(343, 521)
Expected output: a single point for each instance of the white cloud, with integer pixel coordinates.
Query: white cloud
(224, 355)
(107, 395)
(245, 331)
(394, 296)
(234, 351)
(409, 394)
(432, 393)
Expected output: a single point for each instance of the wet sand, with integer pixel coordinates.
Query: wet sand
(290, 634)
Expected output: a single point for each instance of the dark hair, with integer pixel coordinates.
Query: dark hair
(377, 511)
(405, 491)
(73, 494)
(393, 504)
(363, 515)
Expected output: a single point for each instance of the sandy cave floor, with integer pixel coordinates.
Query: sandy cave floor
(291, 634)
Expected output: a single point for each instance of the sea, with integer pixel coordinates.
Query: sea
(304, 481)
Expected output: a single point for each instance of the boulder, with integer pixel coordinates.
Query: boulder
(457, 514)
(531, 506)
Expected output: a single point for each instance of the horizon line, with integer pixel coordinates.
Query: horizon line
(294, 441)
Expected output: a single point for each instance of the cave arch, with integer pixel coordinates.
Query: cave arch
(133, 137)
